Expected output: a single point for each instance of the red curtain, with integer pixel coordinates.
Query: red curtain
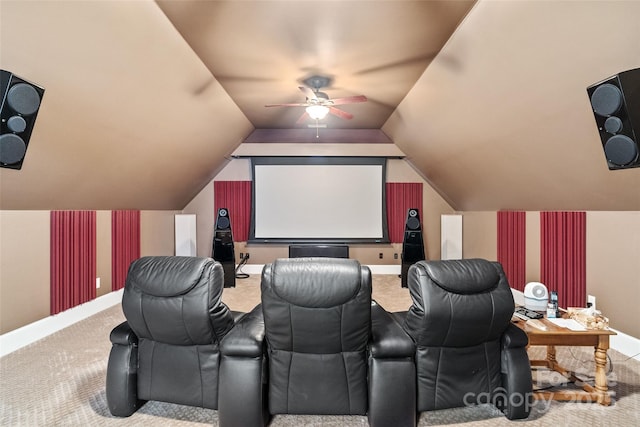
(236, 197)
(73, 259)
(401, 196)
(125, 244)
(563, 255)
(512, 246)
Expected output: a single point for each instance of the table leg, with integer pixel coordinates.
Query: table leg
(601, 374)
(552, 363)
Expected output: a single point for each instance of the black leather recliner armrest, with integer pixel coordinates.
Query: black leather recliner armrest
(516, 374)
(122, 372)
(392, 373)
(388, 339)
(242, 401)
(514, 337)
(246, 338)
(123, 335)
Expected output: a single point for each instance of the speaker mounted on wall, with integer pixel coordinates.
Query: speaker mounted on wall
(616, 106)
(223, 249)
(412, 244)
(20, 104)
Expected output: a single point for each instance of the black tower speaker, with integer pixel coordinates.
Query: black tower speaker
(20, 105)
(616, 107)
(412, 245)
(223, 251)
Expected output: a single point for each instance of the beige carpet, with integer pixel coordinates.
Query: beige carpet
(60, 381)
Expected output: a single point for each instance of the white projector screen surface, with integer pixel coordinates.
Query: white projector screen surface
(318, 200)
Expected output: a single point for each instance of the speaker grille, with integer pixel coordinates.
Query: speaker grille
(23, 99)
(606, 99)
(12, 149)
(621, 150)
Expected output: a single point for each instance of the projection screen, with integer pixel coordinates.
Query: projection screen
(318, 200)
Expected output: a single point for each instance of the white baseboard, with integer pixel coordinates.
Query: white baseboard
(625, 344)
(18, 338)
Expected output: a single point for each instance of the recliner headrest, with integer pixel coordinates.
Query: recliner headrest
(316, 282)
(466, 276)
(166, 276)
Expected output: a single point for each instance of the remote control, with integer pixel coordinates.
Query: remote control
(520, 316)
(529, 314)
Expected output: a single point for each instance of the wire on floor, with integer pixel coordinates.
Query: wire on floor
(239, 273)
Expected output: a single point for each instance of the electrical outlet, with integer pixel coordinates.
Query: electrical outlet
(395, 256)
(241, 256)
(591, 300)
(246, 256)
(380, 255)
(97, 283)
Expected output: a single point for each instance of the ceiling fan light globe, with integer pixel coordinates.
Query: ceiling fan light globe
(317, 112)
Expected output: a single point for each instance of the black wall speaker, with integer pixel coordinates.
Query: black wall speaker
(616, 107)
(20, 105)
(223, 250)
(412, 244)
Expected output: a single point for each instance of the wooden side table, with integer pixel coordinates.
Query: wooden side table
(556, 335)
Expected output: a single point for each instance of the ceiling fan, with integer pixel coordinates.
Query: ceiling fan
(318, 104)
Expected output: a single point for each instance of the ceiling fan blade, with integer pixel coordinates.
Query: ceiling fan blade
(309, 93)
(340, 113)
(303, 118)
(349, 100)
(288, 105)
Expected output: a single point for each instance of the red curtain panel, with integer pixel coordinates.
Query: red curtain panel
(125, 244)
(401, 196)
(563, 255)
(512, 246)
(236, 197)
(73, 259)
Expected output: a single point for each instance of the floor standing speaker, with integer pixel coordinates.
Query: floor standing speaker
(412, 244)
(616, 107)
(20, 105)
(223, 251)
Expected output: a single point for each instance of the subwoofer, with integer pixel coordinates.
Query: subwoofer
(20, 105)
(223, 250)
(616, 107)
(412, 244)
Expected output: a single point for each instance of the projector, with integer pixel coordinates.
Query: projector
(536, 296)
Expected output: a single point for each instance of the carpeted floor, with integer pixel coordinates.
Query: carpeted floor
(60, 381)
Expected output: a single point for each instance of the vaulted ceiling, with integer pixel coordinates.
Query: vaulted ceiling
(145, 100)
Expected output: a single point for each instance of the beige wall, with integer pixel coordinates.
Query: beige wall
(397, 171)
(24, 268)
(479, 235)
(157, 233)
(613, 251)
(25, 259)
(613, 255)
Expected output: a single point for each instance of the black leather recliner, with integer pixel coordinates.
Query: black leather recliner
(331, 351)
(468, 351)
(168, 349)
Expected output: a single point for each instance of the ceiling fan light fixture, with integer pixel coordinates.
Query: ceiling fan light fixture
(317, 112)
